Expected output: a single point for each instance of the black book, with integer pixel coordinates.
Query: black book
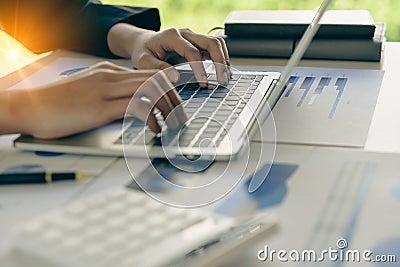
(336, 49)
(293, 23)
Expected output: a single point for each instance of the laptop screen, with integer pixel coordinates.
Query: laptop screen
(297, 54)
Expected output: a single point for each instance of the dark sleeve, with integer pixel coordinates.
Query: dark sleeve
(80, 25)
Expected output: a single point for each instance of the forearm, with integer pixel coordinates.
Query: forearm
(123, 38)
(10, 111)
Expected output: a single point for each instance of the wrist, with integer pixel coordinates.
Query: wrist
(124, 38)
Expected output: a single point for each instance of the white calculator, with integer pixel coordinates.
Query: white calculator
(125, 227)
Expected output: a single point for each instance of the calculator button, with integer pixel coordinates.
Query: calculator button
(123, 231)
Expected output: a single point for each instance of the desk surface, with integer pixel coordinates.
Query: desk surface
(298, 208)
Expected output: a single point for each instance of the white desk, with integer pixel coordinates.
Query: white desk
(383, 136)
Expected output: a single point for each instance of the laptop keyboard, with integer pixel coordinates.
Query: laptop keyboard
(211, 111)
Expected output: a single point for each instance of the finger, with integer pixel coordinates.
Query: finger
(174, 42)
(128, 86)
(162, 93)
(173, 96)
(149, 61)
(226, 54)
(214, 47)
(159, 99)
(166, 89)
(224, 50)
(142, 109)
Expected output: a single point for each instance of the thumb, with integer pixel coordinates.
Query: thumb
(151, 62)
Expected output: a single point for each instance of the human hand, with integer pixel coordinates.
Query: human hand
(94, 97)
(152, 50)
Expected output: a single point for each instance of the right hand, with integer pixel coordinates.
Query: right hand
(151, 50)
(94, 97)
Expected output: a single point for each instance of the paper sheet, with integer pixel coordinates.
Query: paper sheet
(333, 194)
(59, 65)
(323, 106)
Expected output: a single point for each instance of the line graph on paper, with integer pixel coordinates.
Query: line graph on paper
(322, 106)
(320, 84)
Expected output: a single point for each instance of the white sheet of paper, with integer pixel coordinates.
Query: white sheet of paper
(334, 193)
(323, 106)
(61, 64)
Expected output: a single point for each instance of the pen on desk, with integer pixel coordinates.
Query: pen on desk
(40, 177)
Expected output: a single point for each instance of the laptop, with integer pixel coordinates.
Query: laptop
(220, 117)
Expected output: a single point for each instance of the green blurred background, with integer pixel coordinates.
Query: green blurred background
(202, 15)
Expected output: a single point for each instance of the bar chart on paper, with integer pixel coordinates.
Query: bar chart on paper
(322, 106)
(321, 84)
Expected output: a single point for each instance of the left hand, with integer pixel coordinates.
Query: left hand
(151, 50)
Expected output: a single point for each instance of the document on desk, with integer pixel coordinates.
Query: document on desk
(58, 65)
(347, 200)
(323, 106)
(343, 199)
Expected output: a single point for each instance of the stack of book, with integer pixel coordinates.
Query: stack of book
(343, 34)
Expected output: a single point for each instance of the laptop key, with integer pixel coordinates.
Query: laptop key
(186, 97)
(218, 95)
(235, 77)
(259, 78)
(240, 88)
(145, 138)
